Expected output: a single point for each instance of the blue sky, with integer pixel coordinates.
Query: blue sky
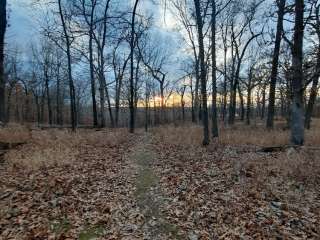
(24, 27)
(22, 23)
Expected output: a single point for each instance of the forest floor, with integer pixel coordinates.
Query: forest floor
(108, 184)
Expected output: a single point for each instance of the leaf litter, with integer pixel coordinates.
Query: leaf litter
(145, 188)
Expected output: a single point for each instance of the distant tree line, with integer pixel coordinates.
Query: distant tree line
(97, 59)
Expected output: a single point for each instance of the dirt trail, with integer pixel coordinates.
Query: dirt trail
(148, 193)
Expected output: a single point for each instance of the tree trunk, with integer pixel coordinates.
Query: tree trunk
(297, 121)
(92, 79)
(224, 109)
(42, 100)
(232, 105)
(248, 105)
(263, 108)
(131, 102)
(8, 104)
(59, 107)
(102, 100)
(37, 109)
(313, 93)
(205, 120)
(196, 97)
(73, 110)
(48, 94)
(3, 26)
(117, 100)
(162, 117)
(146, 119)
(275, 62)
(242, 109)
(214, 129)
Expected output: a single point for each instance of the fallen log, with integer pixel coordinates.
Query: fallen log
(286, 147)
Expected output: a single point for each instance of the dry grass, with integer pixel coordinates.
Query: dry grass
(52, 147)
(238, 135)
(108, 137)
(45, 148)
(301, 166)
(237, 145)
(14, 133)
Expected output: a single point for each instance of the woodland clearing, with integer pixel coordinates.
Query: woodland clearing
(108, 184)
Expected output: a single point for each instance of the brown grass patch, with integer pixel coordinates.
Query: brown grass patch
(14, 133)
(238, 135)
(238, 146)
(45, 148)
(52, 147)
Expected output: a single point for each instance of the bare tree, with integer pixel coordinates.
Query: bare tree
(186, 17)
(315, 25)
(66, 36)
(275, 61)
(3, 26)
(297, 115)
(203, 74)
(214, 125)
(88, 13)
(241, 37)
(132, 47)
(119, 68)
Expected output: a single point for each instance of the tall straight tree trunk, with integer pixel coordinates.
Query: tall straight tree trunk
(162, 117)
(42, 100)
(214, 127)
(224, 109)
(92, 79)
(297, 116)
(73, 110)
(109, 106)
(242, 109)
(102, 83)
(50, 114)
(312, 99)
(3, 26)
(117, 100)
(102, 106)
(313, 92)
(196, 98)
(263, 108)
(59, 107)
(146, 118)
(232, 82)
(275, 62)
(38, 109)
(193, 116)
(248, 106)
(8, 104)
(131, 102)
(205, 120)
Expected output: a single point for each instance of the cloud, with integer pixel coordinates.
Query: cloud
(22, 24)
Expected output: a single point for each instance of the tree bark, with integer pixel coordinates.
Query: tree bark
(59, 105)
(131, 102)
(263, 108)
(224, 110)
(3, 26)
(214, 127)
(313, 93)
(46, 76)
(275, 62)
(73, 110)
(92, 79)
(205, 120)
(242, 109)
(297, 121)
